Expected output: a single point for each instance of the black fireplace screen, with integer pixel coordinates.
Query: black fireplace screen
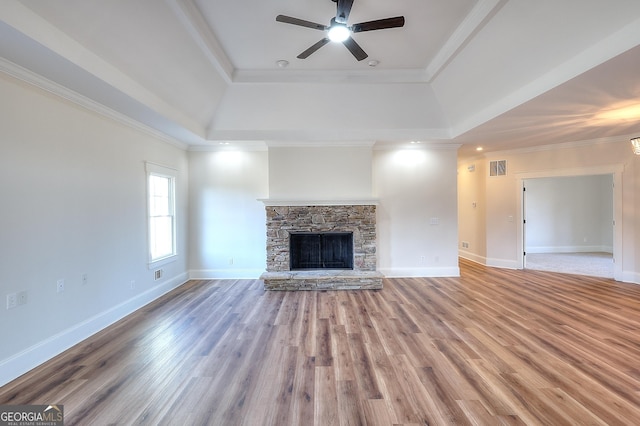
(325, 250)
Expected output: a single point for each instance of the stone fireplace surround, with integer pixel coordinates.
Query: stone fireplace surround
(284, 217)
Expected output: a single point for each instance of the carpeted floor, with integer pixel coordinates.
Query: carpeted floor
(595, 264)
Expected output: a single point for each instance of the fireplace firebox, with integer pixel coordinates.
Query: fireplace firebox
(321, 250)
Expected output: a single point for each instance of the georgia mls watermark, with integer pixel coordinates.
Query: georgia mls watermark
(31, 415)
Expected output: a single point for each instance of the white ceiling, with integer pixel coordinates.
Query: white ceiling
(497, 73)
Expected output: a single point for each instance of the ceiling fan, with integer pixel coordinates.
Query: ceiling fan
(339, 31)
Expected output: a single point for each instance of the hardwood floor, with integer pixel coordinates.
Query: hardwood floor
(491, 347)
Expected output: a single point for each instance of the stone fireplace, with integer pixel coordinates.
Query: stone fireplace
(358, 220)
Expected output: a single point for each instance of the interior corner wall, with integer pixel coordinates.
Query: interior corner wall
(227, 234)
(73, 189)
(417, 214)
(472, 210)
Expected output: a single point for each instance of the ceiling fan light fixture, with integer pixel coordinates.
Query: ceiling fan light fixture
(635, 144)
(339, 33)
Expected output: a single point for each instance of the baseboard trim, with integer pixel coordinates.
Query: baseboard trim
(473, 257)
(420, 272)
(570, 249)
(502, 263)
(15, 366)
(225, 274)
(631, 277)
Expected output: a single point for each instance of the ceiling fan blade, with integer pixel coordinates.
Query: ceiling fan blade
(355, 49)
(300, 22)
(344, 8)
(309, 51)
(379, 24)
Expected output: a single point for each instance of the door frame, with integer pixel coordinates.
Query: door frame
(615, 170)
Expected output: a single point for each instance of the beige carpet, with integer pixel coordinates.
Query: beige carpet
(594, 264)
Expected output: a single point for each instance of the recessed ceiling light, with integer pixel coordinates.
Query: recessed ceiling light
(373, 63)
(479, 148)
(282, 63)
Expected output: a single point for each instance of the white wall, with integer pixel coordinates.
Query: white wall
(472, 210)
(503, 243)
(412, 188)
(328, 112)
(73, 190)
(569, 214)
(417, 214)
(320, 173)
(227, 234)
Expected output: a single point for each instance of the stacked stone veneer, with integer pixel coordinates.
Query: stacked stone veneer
(358, 219)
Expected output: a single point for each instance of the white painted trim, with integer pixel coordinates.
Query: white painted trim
(614, 169)
(202, 34)
(569, 249)
(47, 85)
(20, 363)
(224, 274)
(472, 23)
(420, 272)
(631, 277)
(472, 257)
(491, 263)
(502, 263)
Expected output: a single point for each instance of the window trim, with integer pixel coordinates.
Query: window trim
(166, 172)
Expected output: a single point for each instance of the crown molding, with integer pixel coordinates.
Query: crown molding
(200, 31)
(47, 85)
(473, 22)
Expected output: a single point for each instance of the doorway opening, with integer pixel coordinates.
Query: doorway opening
(568, 224)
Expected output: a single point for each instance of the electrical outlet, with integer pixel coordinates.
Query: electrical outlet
(22, 298)
(158, 274)
(60, 286)
(132, 284)
(12, 300)
(423, 259)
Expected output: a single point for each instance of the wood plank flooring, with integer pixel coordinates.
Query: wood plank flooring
(491, 347)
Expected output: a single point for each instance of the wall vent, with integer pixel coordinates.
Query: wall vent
(498, 168)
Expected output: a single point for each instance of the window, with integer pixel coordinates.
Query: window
(161, 207)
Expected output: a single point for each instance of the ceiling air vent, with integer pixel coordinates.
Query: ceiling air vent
(498, 168)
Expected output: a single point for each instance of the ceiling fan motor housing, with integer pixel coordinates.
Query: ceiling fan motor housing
(339, 31)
